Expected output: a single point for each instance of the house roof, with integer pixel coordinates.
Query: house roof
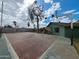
(63, 24)
(77, 21)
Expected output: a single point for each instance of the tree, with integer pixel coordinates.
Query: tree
(14, 22)
(28, 24)
(36, 10)
(8, 26)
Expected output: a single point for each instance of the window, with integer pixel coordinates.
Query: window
(56, 30)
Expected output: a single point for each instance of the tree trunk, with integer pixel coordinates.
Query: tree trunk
(37, 24)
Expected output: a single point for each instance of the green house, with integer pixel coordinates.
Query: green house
(64, 29)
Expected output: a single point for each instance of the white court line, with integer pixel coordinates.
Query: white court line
(11, 49)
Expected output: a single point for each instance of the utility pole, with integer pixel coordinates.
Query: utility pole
(71, 32)
(2, 14)
(1, 19)
(71, 26)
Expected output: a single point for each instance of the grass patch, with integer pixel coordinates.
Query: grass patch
(76, 44)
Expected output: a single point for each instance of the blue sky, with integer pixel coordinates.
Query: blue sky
(69, 5)
(66, 5)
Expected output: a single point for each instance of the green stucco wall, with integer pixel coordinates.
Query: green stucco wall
(65, 31)
(61, 30)
(68, 32)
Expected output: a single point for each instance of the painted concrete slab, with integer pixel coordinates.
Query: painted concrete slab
(4, 53)
(60, 50)
(32, 46)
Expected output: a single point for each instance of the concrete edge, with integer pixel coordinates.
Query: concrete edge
(75, 51)
(11, 49)
(45, 53)
(49, 48)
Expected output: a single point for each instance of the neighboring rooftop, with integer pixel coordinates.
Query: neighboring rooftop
(63, 24)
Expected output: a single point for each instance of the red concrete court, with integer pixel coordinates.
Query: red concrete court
(30, 45)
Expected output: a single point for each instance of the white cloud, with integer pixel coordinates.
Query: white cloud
(57, 6)
(76, 13)
(9, 7)
(7, 19)
(48, 1)
(69, 11)
(23, 8)
(13, 10)
(63, 19)
(54, 7)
